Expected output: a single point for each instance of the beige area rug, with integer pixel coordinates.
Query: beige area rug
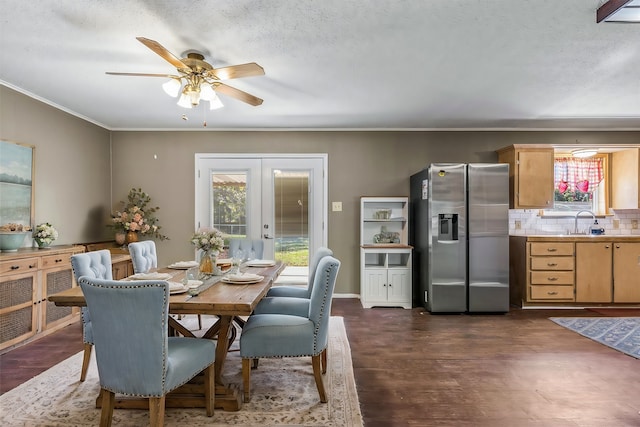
(283, 394)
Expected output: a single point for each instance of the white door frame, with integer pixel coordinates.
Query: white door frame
(200, 196)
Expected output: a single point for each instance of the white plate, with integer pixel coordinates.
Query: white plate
(150, 276)
(231, 281)
(183, 265)
(261, 263)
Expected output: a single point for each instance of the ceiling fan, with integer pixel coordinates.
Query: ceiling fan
(200, 79)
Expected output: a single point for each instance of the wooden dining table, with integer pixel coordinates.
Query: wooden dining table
(224, 300)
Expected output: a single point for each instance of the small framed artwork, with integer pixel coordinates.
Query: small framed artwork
(16, 183)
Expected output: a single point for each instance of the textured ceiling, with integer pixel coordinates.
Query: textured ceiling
(333, 64)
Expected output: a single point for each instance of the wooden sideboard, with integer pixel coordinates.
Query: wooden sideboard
(30, 275)
(574, 271)
(27, 278)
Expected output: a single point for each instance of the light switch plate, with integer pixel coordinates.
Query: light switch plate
(336, 206)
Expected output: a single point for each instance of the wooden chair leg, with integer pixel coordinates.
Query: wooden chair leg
(324, 361)
(315, 361)
(156, 411)
(246, 378)
(210, 389)
(108, 401)
(85, 361)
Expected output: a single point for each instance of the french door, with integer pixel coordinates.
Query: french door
(280, 199)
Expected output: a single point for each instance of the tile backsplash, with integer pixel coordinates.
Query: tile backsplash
(529, 222)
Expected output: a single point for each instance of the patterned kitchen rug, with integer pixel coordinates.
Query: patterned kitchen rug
(283, 393)
(620, 333)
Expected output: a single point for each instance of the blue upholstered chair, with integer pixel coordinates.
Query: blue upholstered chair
(134, 354)
(143, 256)
(97, 265)
(297, 291)
(292, 299)
(246, 245)
(284, 335)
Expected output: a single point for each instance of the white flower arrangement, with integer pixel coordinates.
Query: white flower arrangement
(208, 239)
(45, 233)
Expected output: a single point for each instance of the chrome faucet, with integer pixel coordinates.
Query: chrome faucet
(575, 225)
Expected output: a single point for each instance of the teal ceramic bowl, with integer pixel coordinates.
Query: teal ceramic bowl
(10, 241)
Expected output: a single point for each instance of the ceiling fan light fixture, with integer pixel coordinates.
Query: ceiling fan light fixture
(184, 101)
(172, 87)
(206, 92)
(215, 103)
(584, 152)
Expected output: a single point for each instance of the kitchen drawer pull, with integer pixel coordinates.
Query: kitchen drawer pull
(552, 293)
(552, 279)
(551, 249)
(15, 267)
(552, 264)
(59, 260)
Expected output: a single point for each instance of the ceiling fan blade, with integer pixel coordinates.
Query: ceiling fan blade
(236, 93)
(236, 71)
(164, 53)
(167, 76)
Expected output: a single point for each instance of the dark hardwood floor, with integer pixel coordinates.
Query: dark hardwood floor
(416, 369)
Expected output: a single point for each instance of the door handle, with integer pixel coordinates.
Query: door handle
(267, 236)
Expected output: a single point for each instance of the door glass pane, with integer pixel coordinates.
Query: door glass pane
(229, 199)
(291, 211)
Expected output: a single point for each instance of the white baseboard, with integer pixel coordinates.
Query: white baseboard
(346, 296)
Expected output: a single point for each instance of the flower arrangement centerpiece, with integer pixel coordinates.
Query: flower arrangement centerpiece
(44, 234)
(211, 242)
(136, 216)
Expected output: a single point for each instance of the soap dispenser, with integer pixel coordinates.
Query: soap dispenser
(595, 229)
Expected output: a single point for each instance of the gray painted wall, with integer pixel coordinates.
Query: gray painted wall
(73, 180)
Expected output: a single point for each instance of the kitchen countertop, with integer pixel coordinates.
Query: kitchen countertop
(580, 237)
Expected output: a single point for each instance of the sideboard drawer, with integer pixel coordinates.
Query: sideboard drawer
(59, 260)
(19, 265)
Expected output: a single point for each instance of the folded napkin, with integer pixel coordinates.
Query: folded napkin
(175, 286)
(246, 277)
(150, 276)
(184, 264)
(193, 283)
(261, 263)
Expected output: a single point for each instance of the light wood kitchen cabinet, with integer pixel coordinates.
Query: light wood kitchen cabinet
(626, 272)
(594, 272)
(550, 271)
(605, 271)
(531, 175)
(625, 179)
(27, 278)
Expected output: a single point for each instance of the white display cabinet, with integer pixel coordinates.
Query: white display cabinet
(385, 256)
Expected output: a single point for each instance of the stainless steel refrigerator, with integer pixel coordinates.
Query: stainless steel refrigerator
(460, 234)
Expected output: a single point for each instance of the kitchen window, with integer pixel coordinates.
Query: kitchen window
(579, 184)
